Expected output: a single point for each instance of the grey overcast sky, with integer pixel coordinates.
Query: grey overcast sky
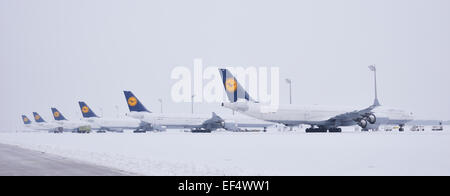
(55, 53)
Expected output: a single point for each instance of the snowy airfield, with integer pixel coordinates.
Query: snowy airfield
(272, 153)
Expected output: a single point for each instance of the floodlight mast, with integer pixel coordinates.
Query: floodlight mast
(374, 69)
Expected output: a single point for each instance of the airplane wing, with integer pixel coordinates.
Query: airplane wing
(359, 117)
(236, 124)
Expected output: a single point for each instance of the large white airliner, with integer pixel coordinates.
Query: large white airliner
(41, 124)
(28, 124)
(320, 118)
(195, 122)
(67, 125)
(104, 124)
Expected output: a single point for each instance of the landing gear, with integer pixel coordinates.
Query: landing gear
(201, 130)
(316, 130)
(335, 130)
(323, 130)
(144, 127)
(57, 130)
(401, 128)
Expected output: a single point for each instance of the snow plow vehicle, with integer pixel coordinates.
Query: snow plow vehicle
(84, 129)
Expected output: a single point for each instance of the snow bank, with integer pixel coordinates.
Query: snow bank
(274, 153)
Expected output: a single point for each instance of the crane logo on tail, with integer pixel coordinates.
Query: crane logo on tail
(231, 85)
(85, 109)
(132, 101)
(25, 119)
(56, 114)
(37, 117)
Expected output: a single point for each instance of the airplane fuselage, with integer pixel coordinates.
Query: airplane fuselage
(113, 124)
(292, 115)
(191, 121)
(71, 125)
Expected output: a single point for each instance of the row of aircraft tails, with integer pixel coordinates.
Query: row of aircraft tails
(142, 120)
(259, 115)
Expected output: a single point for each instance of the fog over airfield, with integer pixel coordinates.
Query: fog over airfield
(55, 53)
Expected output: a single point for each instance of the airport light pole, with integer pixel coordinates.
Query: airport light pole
(374, 69)
(161, 102)
(289, 81)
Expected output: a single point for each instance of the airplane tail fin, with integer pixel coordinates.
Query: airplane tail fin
(57, 115)
(133, 103)
(86, 110)
(26, 120)
(216, 117)
(232, 87)
(38, 118)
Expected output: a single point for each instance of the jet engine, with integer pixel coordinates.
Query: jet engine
(146, 127)
(362, 123)
(366, 119)
(371, 118)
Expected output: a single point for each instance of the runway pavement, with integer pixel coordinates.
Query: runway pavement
(15, 161)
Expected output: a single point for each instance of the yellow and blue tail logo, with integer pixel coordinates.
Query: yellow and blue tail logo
(133, 102)
(38, 118)
(232, 87)
(57, 115)
(86, 110)
(26, 120)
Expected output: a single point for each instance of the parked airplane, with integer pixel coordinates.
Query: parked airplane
(387, 115)
(320, 118)
(195, 122)
(28, 124)
(26, 121)
(42, 124)
(105, 124)
(66, 124)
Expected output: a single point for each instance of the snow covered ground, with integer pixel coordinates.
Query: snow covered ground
(272, 153)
